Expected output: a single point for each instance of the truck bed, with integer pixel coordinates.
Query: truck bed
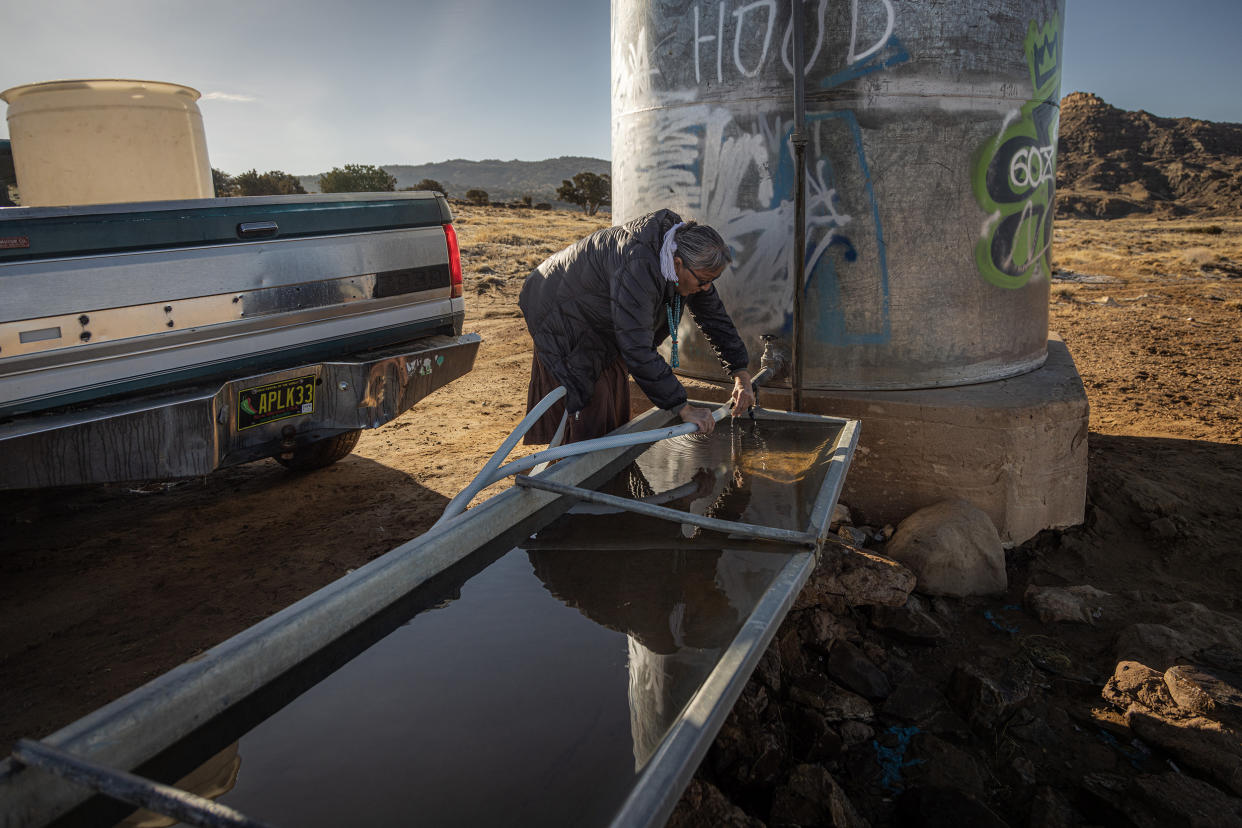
(100, 301)
(158, 319)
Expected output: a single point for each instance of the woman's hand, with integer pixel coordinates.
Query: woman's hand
(743, 394)
(701, 417)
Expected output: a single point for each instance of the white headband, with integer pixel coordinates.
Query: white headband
(666, 254)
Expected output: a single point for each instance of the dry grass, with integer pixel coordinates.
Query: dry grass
(500, 245)
(1153, 248)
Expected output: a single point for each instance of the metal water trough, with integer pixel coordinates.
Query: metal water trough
(46, 779)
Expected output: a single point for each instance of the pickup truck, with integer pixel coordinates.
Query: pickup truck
(158, 340)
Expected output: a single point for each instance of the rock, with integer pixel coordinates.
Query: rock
(856, 733)
(835, 703)
(765, 768)
(704, 806)
(853, 535)
(1188, 628)
(874, 580)
(848, 576)
(933, 762)
(1164, 528)
(1105, 797)
(1153, 644)
(1024, 769)
(1051, 809)
(1133, 682)
(944, 808)
(769, 670)
(915, 702)
(1032, 726)
(1077, 603)
(1182, 800)
(876, 654)
(813, 737)
(1220, 656)
(849, 667)
(1198, 743)
(828, 629)
(987, 700)
(812, 797)
(840, 515)
(1203, 691)
(751, 745)
(897, 668)
(908, 623)
(793, 660)
(953, 549)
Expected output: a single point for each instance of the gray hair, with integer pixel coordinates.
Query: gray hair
(701, 248)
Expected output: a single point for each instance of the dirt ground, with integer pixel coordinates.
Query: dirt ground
(105, 587)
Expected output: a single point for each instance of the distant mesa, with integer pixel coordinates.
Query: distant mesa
(504, 181)
(1111, 163)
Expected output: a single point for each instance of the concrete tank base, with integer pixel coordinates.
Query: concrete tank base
(1016, 448)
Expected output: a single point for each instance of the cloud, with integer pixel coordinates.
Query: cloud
(228, 96)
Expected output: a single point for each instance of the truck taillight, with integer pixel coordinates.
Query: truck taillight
(454, 259)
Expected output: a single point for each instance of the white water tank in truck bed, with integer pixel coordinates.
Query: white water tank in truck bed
(106, 142)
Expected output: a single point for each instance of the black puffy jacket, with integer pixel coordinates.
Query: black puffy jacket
(605, 296)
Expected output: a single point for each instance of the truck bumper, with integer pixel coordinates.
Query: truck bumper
(195, 431)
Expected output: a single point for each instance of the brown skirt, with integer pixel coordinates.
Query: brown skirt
(609, 407)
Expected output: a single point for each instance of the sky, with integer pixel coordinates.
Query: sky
(307, 85)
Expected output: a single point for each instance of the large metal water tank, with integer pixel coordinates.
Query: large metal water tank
(930, 164)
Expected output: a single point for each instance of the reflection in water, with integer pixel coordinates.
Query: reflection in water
(210, 780)
(781, 466)
(545, 679)
(679, 605)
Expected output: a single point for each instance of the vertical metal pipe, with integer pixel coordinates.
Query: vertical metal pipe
(799, 158)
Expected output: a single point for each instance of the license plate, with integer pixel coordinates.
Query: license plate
(275, 401)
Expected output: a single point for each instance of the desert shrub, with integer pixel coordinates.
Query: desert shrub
(478, 198)
(431, 184)
(588, 190)
(273, 182)
(543, 205)
(223, 184)
(357, 178)
(1208, 230)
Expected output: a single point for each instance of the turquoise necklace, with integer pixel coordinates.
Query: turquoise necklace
(674, 319)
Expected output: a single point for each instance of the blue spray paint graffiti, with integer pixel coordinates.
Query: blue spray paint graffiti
(732, 166)
(823, 276)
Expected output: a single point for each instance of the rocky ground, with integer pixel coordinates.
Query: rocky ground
(1101, 684)
(1096, 689)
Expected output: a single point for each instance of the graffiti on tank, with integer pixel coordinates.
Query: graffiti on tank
(633, 67)
(735, 171)
(1015, 174)
(754, 24)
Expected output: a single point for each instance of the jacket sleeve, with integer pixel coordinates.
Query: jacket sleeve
(636, 292)
(712, 318)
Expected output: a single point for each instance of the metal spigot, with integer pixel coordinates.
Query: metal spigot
(776, 357)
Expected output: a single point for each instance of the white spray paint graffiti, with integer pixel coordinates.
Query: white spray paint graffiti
(734, 171)
(755, 22)
(741, 14)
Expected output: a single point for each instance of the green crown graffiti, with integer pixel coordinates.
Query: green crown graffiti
(1015, 173)
(1043, 55)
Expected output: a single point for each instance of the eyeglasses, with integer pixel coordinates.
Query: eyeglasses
(702, 282)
